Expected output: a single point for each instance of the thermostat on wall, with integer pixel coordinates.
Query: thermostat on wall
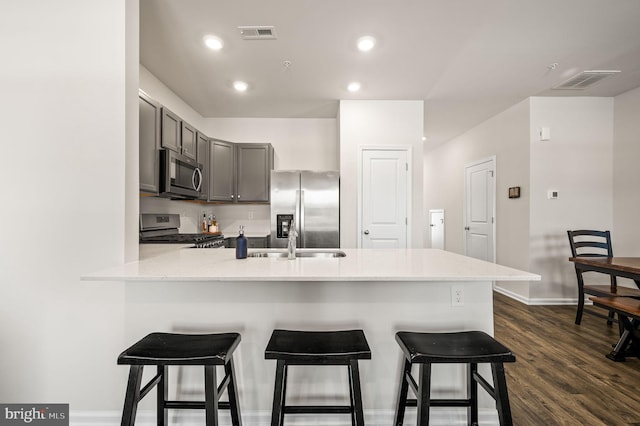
(552, 194)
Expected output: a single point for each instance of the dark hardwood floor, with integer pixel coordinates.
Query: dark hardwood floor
(561, 375)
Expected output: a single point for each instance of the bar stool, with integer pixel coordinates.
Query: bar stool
(166, 349)
(317, 348)
(468, 347)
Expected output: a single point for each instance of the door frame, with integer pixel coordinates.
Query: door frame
(408, 150)
(432, 211)
(491, 159)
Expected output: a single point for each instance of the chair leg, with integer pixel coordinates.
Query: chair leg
(610, 318)
(424, 394)
(580, 298)
(472, 386)
(132, 396)
(351, 398)
(403, 388)
(502, 396)
(279, 392)
(356, 391)
(210, 395)
(162, 395)
(232, 390)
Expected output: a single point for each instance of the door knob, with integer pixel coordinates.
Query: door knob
(466, 228)
(366, 232)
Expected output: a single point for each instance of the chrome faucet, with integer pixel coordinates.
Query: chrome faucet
(291, 247)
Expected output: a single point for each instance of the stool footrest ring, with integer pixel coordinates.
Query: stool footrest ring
(317, 409)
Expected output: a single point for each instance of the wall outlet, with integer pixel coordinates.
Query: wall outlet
(457, 295)
(250, 215)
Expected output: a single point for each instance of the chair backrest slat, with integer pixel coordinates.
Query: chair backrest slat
(583, 243)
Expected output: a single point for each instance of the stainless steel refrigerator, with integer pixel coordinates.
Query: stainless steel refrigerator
(311, 201)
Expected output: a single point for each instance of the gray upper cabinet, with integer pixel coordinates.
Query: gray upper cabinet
(149, 142)
(189, 141)
(171, 130)
(253, 174)
(222, 171)
(202, 157)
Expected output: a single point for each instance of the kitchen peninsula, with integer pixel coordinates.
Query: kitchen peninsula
(379, 291)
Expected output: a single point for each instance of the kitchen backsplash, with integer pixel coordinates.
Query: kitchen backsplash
(254, 217)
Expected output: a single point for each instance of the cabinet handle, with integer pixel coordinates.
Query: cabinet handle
(238, 196)
(232, 197)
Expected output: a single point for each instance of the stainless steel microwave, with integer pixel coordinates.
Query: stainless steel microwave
(180, 176)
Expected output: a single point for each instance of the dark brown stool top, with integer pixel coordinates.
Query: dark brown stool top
(181, 349)
(458, 347)
(310, 346)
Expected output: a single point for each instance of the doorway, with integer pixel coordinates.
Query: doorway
(384, 202)
(479, 210)
(436, 228)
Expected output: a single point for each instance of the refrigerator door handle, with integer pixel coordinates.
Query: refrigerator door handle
(301, 221)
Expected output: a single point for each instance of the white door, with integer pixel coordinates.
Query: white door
(384, 198)
(436, 228)
(479, 209)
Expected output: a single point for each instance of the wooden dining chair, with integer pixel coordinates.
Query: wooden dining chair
(590, 243)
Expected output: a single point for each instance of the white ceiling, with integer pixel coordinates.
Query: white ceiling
(466, 59)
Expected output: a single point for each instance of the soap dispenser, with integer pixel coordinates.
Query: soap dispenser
(241, 245)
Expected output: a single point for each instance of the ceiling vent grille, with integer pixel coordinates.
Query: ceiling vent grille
(258, 33)
(585, 79)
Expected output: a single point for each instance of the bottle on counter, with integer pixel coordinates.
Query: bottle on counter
(213, 226)
(241, 245)
(204, 226)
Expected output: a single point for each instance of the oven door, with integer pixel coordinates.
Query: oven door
(180, 177)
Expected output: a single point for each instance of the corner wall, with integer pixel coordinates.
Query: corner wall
(578, 163)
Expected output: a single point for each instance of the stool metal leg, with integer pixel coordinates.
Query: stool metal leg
(277, 412)
(401, 403)
(132, 396)
(356, 392)
(232, 389)
(211, 395)
(502, 396)
(351, 399)
(472, 386)
(162, 395)
(424, 394)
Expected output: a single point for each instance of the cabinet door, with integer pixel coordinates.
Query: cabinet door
(203, 159)
(189, 141)
(149, 142)
(170, 130)
(221, 171)
(255, 162)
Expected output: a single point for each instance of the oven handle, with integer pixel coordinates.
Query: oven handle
(193, 179)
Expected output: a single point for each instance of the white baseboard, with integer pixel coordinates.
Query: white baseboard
(438, 417)
(538, 301)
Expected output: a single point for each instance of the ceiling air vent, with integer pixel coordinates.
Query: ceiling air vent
(585, 79)
(258, 33)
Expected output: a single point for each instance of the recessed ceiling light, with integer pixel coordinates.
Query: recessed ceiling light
(366, 43)
(213, 42)
(353, 87)
(240, 86)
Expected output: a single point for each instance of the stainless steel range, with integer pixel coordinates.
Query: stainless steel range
(163, 229)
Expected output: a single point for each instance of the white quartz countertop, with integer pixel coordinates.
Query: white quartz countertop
(189, 264)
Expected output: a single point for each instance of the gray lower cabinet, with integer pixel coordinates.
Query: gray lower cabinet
(189, 141)
(253, 242)
(149, 142)
(240, 172)
(171, 130)
(202, 157)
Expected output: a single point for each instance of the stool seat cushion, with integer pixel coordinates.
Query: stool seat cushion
(181, 349)
(318, 346)
(459, 347)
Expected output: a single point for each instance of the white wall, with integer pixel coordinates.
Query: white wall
(626, 174)
(507, 137)
(578, 163)
(367, 123)
(62, 113)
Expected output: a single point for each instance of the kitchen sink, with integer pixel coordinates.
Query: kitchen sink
(299, 253)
